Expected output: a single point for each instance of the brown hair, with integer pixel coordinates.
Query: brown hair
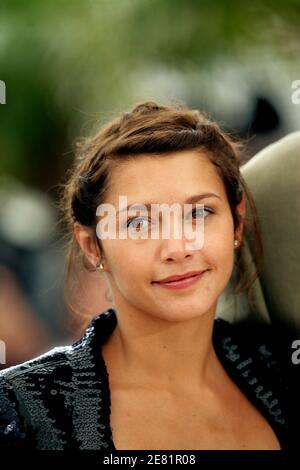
(152, 128)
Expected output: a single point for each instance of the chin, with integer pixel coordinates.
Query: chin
(183, 312)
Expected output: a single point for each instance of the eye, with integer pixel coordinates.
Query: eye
(136, 220)
(201, 210)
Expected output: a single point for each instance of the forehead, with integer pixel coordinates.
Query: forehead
(165, 177)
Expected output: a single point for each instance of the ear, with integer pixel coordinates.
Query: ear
(241, 208)
(86, 239)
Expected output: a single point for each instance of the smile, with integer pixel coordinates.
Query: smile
(182, 283)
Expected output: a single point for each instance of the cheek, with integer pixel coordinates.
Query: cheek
(220, 258)
(219, 245)
(128, 264)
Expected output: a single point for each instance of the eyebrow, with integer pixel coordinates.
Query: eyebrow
(190, 200)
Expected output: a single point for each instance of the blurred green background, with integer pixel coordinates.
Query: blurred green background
(70, 65)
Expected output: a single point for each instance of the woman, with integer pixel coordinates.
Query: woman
(156, 371)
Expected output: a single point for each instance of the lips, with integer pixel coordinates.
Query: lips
(179, 277)
(183, 282)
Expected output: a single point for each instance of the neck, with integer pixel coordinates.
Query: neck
(148, 351)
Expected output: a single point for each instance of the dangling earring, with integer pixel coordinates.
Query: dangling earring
(99, 265)
(236, 243)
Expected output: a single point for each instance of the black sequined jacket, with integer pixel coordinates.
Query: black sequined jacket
(61, 399)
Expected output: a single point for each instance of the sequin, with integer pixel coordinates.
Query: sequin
(61, 399)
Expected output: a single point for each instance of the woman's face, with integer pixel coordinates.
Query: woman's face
(133, 265)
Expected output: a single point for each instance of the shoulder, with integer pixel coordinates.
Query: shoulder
(46, 399)
(260, 340)
(22, 391)
(45, 366)
(28, 393)
(49, 364)
(256, 357)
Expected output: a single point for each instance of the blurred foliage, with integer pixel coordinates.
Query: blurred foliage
(68, 63)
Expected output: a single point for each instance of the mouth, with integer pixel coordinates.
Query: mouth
(182, 283)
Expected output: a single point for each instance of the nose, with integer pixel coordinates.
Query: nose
(179, 244)
(176, 250)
